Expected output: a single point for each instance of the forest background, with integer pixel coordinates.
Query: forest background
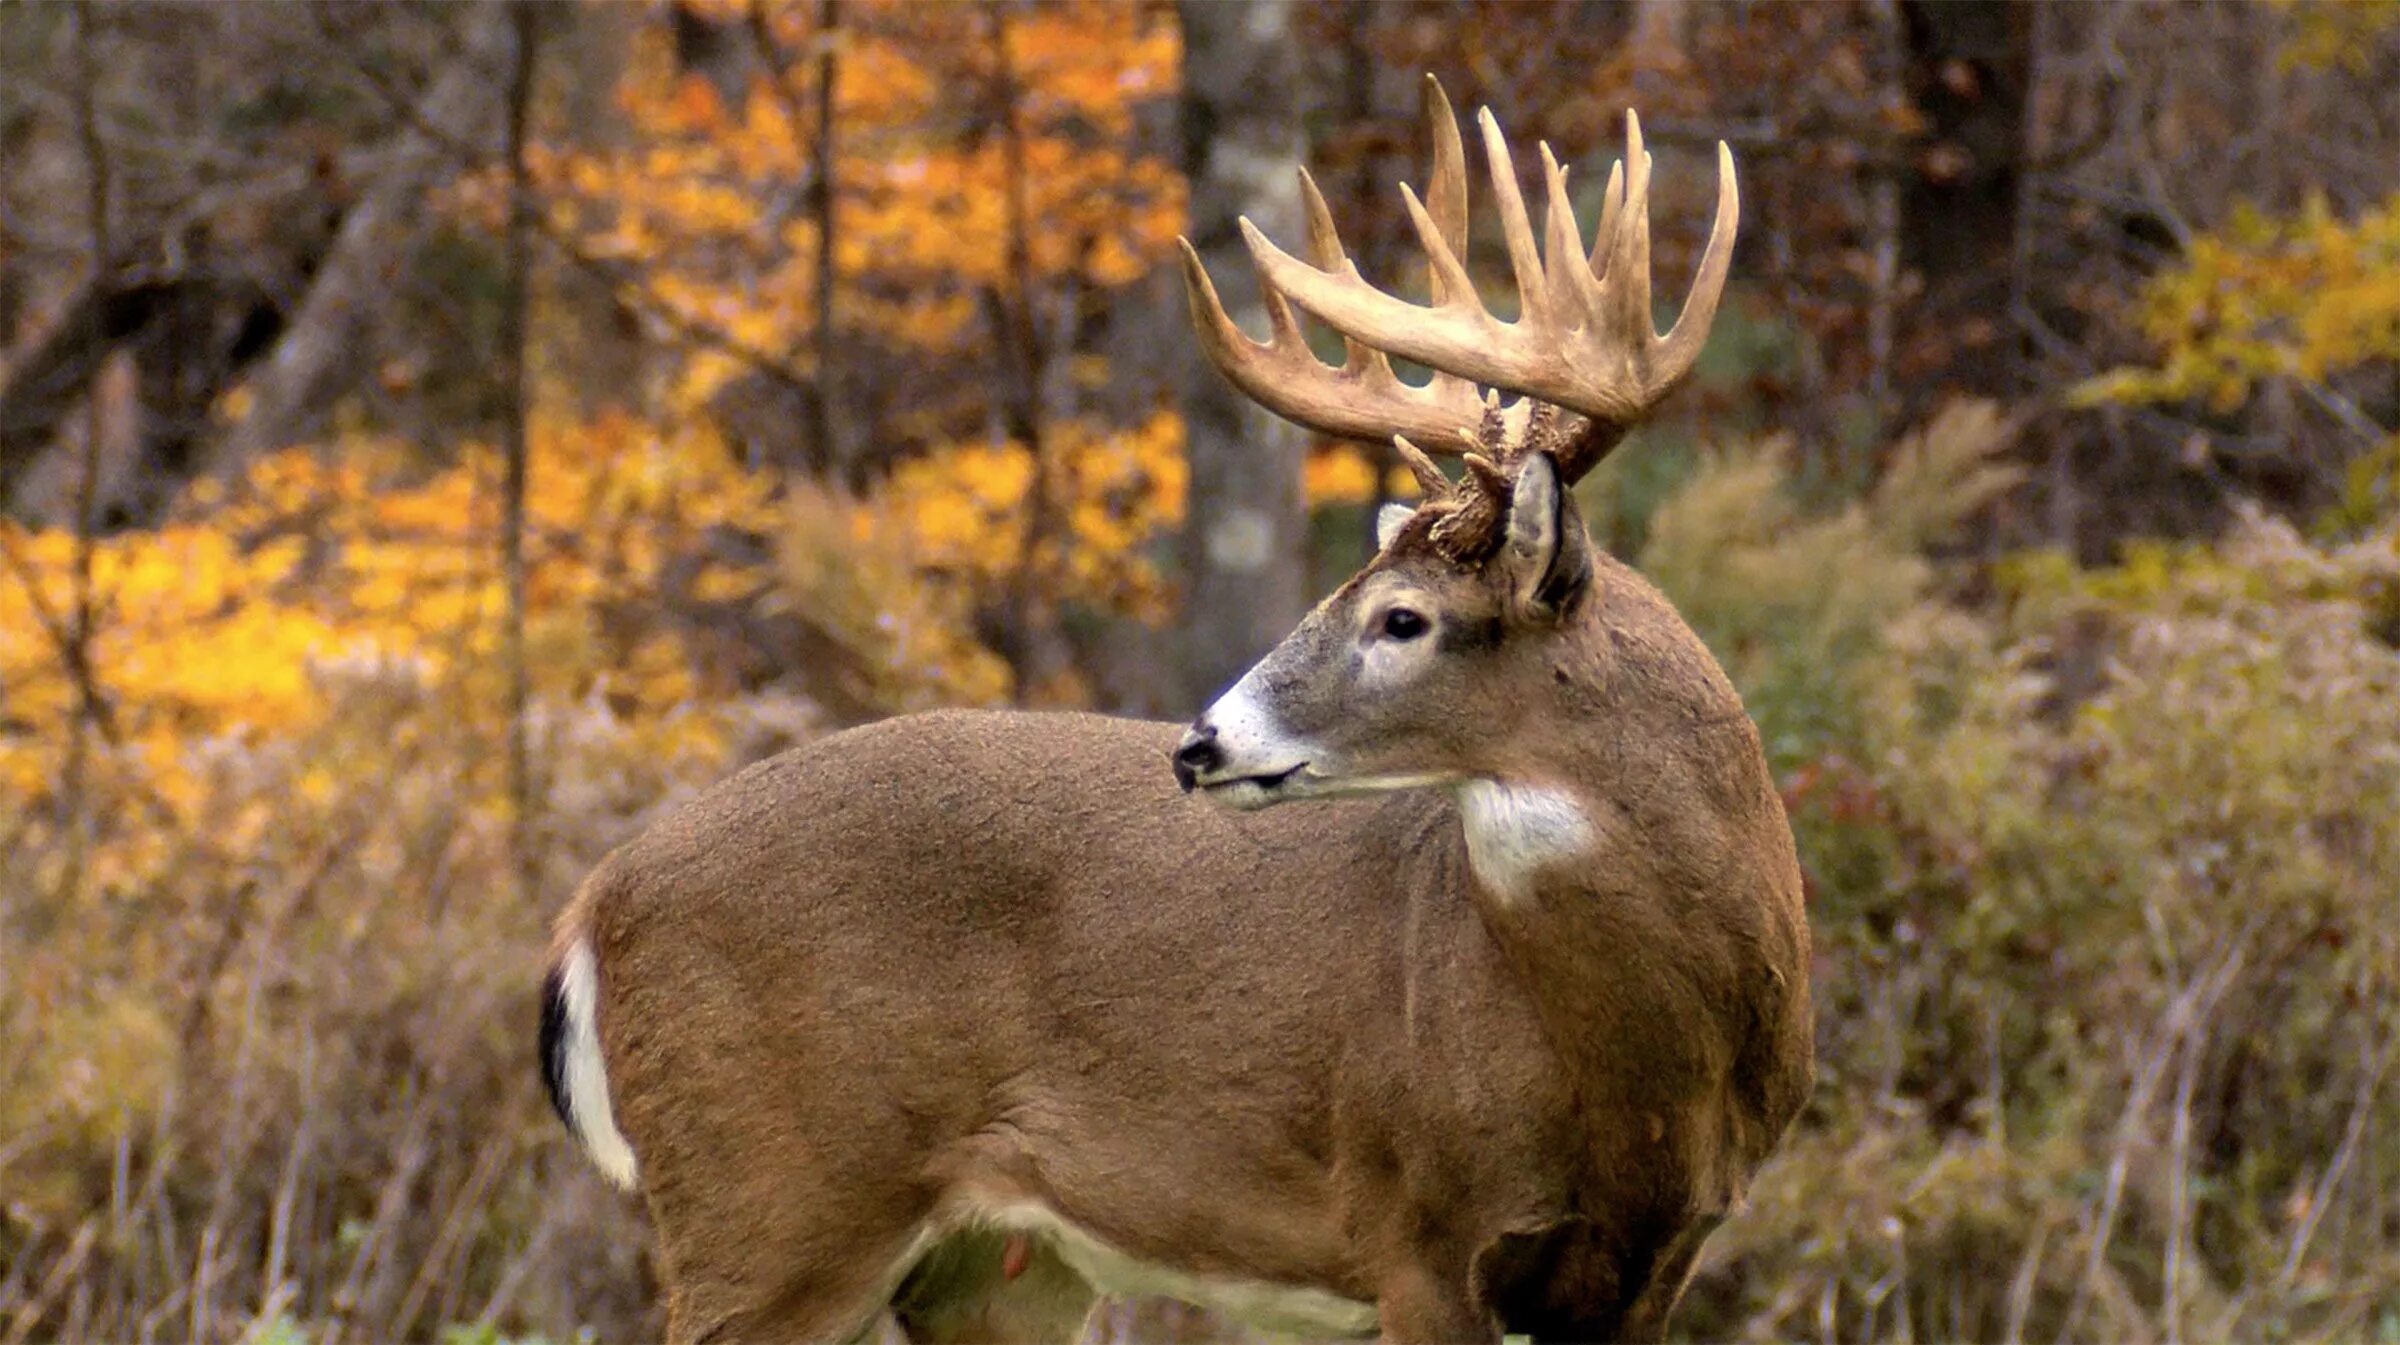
(437, 438)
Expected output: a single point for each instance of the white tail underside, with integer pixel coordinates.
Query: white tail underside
(586, 1073)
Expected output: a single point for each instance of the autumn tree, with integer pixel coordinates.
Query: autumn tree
(990, 196)
(2264, 347)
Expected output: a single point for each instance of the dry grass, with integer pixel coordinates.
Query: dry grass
(2102, 877)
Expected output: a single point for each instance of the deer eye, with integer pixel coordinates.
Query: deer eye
(1403, 624)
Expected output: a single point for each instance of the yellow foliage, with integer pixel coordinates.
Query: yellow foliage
(702, 208)
(2304, 298)
(286, 835)
(1337, 474)
(2334, 32)
(962, 514)
(225, 626)
(855, 573)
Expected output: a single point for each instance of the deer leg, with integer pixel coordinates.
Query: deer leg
(703, 1311)
(784, 1213)
(1420, 1307)
(1646, 1319)
(747, 1268)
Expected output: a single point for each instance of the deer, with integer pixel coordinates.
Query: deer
(1448, 975)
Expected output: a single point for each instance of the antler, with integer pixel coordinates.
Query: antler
(1582, 341)
(1363, 399)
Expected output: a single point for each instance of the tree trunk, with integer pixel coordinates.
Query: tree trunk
(319, 355)
(1889, 57)
(1246, 526)
(1968, 72)
(1367, 179)
(515, 439)
(189, 336)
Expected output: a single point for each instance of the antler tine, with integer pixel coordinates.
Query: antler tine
(1680, 349)
(1612, 209)
(1573, 287)
(1430, 480)
(1628, 275)
(1445, 183)
(1324, 240)
(1224, 342)
(1449, 273)
(1524, 258)
(1361, 400)
(1283, 330)
(1325, 249)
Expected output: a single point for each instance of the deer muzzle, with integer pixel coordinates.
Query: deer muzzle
(1238, 753)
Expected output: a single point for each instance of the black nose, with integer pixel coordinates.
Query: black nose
(1197, 755)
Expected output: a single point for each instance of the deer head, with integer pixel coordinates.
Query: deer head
(1477, 593)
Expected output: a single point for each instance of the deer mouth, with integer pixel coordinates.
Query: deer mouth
(1251, 791)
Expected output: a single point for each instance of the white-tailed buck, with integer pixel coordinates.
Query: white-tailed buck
(966, 1017)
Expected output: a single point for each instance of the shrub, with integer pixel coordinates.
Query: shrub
(2107, 943)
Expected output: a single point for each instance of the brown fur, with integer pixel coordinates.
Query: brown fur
(1000, 956)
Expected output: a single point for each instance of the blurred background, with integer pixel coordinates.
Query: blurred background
(437, 438)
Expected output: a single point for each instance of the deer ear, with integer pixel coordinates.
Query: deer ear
(1546, 557)
(1389, 520)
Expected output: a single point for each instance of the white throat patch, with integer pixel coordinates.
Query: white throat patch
(1516, 831)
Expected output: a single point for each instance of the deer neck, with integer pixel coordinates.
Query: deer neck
(1584, 870)
(1632, 1029)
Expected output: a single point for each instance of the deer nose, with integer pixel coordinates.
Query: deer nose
(1197, 755)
